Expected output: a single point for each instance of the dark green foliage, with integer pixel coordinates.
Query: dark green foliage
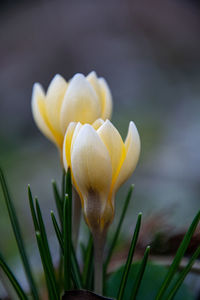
(139, 281)
(18, 235)
(129, 259)
(152, 279)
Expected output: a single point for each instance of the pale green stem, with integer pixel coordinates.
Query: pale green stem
(76, 216)
(99, 243)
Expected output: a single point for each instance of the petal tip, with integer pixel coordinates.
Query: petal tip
(92, 74)
(37, 90)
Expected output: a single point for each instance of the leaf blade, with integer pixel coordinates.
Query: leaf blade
(46, 245)
(140, 274)
(183, 274)
(53, 294)
(18, 236)
(181, 251)
(12, 279)
(67, 242)
(115, 238)
(129, 259)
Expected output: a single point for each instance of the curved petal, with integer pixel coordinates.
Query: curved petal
(106, 99)
(70, 136)
(39, 111)
(132, 145)
(67, 145)
(76, 132)
(98, 123)
(93, 80)
(114, 143)
(80, 103)
(54, 98)
(91, 164)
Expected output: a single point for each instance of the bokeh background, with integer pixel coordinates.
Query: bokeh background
(149, 53)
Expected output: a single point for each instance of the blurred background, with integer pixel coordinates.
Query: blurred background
(149, 53)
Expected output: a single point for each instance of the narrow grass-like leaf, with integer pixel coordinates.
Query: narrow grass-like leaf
(18, 236)
(140, 274)
(129, 259)
(63, 186)
(67, 242)
(75, 271)
(12, 279)
(31, 203)
(60, 272)
(53, 294)
(45, 244)
(83, 250)
(58, 201)
(36, 226)
(68, 183)
(183, 274)
(116, 235)
(88, 266)
(179, 255)
(57, 231)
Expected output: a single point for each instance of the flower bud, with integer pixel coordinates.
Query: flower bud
(82, 99)
(100, 162)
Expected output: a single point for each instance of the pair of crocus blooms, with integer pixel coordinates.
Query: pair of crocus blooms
(75, 116)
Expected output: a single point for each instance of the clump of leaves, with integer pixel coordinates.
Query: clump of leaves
(140, 280)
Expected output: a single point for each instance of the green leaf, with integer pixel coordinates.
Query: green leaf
(152, 279)
(57, 231)
(68, 182)
(58, 201)
(52, 290)
(63, 186)
(129, 259)
(67, 241)
(179, 255)
(83, 250)
(88, 265)
(46, 245)
(18, 235)
(76, 275)
(12, 279)
(183, 274)
(34, 217)
(114, 241)
(140, 274)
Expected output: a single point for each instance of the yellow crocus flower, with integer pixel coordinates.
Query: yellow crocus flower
(100, 162)
(82, 99)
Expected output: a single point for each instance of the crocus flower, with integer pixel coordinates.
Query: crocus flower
(82, 99)
(100, 163)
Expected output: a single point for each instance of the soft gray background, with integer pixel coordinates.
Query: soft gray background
(149, 52)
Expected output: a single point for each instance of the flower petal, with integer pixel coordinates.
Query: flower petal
(106, 99)
(80, 103)
(39, 111)
(67, 145)
(54, 98)
(94, 81)
(98, 123)
(114, 143)
(76, 131)
(91, 163)
(132, 145)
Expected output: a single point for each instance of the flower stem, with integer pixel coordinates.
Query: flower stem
(99, 243)
(76, 217)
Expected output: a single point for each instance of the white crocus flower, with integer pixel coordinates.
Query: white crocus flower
(100, 163)
(82, 99)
